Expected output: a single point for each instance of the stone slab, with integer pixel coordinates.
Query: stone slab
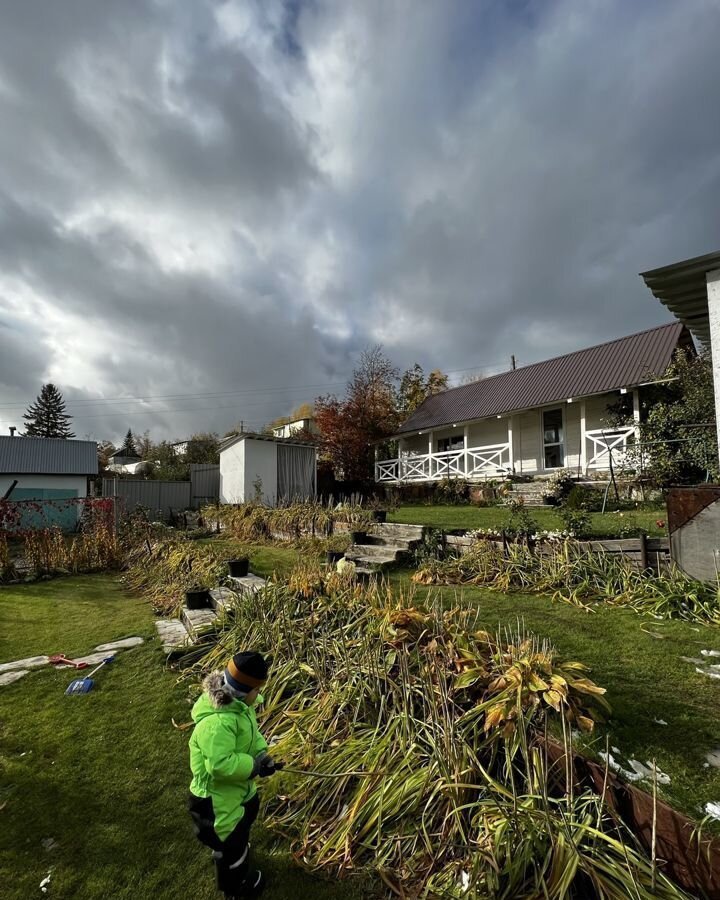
(11, 677)
(250, 583)
(172, 633)
(196, 621)
(124, 644)
(223, 598)
(32, 662)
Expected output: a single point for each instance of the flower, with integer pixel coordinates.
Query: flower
(660, 523)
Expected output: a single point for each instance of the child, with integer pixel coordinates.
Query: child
(227, 752)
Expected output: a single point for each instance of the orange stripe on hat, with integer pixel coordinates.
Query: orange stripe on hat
(243, 677)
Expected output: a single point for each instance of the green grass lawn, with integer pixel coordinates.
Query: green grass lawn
(644, 676)
(104, 776)
(469, 517)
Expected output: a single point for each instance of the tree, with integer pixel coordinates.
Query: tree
(678, 438)
(46, 417)
(128, 447)
(415, 388)
(105, 450)
(144, 445)
(366, 415)
(203, 448)
(168, 466)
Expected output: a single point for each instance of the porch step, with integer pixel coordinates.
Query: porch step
(531, 494)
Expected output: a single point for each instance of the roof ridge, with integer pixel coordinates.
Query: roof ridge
(542, 362)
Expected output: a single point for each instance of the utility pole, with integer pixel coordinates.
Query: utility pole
(512, 360)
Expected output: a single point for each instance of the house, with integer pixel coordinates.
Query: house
(48, 469)
(536, 419)
(296, 427)
(265, 468)
(691, 291)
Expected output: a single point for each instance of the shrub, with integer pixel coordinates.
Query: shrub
(576, 521)
(454, 491)
(583, 497)
(520, 522)
(559, 485)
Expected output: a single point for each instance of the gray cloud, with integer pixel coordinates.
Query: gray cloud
(198, 199)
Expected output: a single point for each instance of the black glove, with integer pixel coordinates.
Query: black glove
(263, 766)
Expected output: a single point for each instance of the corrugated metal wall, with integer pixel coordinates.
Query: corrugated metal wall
(205, 484)
(160, 497)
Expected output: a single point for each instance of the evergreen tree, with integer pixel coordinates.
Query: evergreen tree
(128, 445)
(46, 417)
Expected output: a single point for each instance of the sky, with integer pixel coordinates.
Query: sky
(209, 209)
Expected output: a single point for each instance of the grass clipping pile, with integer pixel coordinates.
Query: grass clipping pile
(416, 742)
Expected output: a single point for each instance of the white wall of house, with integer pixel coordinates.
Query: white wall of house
(77, 483)
(245, 463)
(713, 293)
(527, 432)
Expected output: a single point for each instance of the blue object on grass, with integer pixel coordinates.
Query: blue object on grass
(84, 685)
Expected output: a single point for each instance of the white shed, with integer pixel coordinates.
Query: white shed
(261, 467)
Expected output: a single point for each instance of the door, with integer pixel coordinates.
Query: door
(553, 439)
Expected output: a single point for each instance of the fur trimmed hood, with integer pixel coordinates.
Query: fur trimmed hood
(218, 694)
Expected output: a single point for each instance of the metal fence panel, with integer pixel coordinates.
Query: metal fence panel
(205, 483)
(160, 497)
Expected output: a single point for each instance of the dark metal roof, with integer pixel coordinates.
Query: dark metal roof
(622, 363)
(682, 287)
(47, 456)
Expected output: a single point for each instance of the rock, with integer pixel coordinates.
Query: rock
(124, 644)
(10, 677)
(172, 634)
(713, 758)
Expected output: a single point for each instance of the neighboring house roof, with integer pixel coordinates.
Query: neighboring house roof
(682, 287)
(47, 456)
(625, 362)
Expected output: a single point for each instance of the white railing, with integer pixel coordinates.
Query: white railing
(604, 441)
(475, 462)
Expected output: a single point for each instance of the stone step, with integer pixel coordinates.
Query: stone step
(198, 621)
(398, 530)
(173, 635)
(249, 583)
(223, 598)
(391, 540)
(375, 551)
(375, 563)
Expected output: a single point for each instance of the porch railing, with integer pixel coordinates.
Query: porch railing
(601, 442)
(473, 462)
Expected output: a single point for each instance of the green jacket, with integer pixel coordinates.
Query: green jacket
(223, 747)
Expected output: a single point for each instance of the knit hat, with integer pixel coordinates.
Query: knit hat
(245, 672)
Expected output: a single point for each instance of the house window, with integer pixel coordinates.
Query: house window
(554, 452)
(456, 442)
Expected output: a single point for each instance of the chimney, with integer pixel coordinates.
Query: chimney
(13, 429)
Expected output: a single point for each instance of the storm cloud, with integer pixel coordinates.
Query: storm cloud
(215, 206)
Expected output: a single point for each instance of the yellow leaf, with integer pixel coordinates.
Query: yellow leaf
(585, 723)
(554, 699)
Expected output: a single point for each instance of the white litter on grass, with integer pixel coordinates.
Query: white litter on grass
(660, 721)
(45, 883)
(713, 758)
(465, 881)
(710, 653)
(124, 644)
(709, 674)
(713, 810)
(639, 771)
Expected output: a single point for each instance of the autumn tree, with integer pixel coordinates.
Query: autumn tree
(415, 388)
(46, 417)
(203, 448)
(350, 426)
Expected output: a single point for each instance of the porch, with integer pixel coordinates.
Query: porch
(536, 442)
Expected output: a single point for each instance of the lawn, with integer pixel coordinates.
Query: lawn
(92, 788)
(607, 524)
(644, 676)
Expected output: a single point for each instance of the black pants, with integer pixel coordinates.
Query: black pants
(231, 856)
